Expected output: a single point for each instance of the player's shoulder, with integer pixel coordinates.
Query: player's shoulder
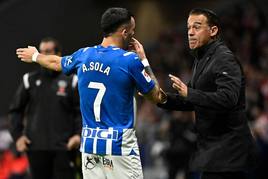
(131, 59)
(131, 56)
(78, 55)
(86, 49)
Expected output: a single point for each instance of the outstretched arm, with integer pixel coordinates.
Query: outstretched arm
(30, 54)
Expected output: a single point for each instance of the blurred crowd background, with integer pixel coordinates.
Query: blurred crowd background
(165, 137)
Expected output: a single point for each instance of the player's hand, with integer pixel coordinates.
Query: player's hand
(73, 142)
(179, 85)
(138, 48)
(22, 144)
(25, 54)
(162, 96)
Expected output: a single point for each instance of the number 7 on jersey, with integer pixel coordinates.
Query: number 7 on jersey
(98, 99)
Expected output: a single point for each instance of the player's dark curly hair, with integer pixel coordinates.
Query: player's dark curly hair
(113, 18)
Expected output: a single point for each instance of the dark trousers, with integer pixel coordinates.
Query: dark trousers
(223, 175)
(51, 164)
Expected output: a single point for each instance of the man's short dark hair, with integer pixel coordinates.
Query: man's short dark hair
(212, 18)
(57, 47)
(113, 18)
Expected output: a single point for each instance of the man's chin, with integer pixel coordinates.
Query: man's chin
(192, 48)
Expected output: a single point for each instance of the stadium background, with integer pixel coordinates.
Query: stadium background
(161, 27)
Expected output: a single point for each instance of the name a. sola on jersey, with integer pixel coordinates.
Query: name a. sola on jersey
(96, 66)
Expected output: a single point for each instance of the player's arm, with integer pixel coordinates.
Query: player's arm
(156, 95)
(30, 54)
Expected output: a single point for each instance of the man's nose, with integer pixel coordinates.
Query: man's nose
(190, 32)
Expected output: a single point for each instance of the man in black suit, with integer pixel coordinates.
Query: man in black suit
(216, 93)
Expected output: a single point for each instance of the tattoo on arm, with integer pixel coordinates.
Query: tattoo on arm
(149, 71)
(157, 95)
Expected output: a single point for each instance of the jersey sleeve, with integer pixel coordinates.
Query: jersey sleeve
(143, 81)
(70, 63)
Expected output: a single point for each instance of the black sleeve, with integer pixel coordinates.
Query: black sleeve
(16, 111)
(176, 102)
(228, 81)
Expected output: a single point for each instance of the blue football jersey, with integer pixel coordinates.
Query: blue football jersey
(107, 80)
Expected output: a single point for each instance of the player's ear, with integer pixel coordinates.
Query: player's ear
(124, 32)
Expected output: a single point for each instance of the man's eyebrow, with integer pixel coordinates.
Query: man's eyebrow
(196, 23)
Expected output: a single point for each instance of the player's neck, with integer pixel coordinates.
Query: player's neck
(110, 41)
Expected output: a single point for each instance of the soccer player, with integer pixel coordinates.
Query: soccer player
(108, 77)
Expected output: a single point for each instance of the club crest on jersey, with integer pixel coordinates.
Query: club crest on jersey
(146, 76)
(62, 88)
(68, 61)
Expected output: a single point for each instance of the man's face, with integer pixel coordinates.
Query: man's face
(47, 48)
(199, 32)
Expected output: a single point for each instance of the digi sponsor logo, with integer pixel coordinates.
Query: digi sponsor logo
(100, 133)
(146, 76)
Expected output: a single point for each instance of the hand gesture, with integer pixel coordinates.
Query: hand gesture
(179, 85)
(22, 143)
(138, 48)
(25, 54)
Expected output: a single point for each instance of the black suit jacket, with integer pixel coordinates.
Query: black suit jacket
(216, 93)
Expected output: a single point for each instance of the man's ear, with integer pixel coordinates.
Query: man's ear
(213, 31)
